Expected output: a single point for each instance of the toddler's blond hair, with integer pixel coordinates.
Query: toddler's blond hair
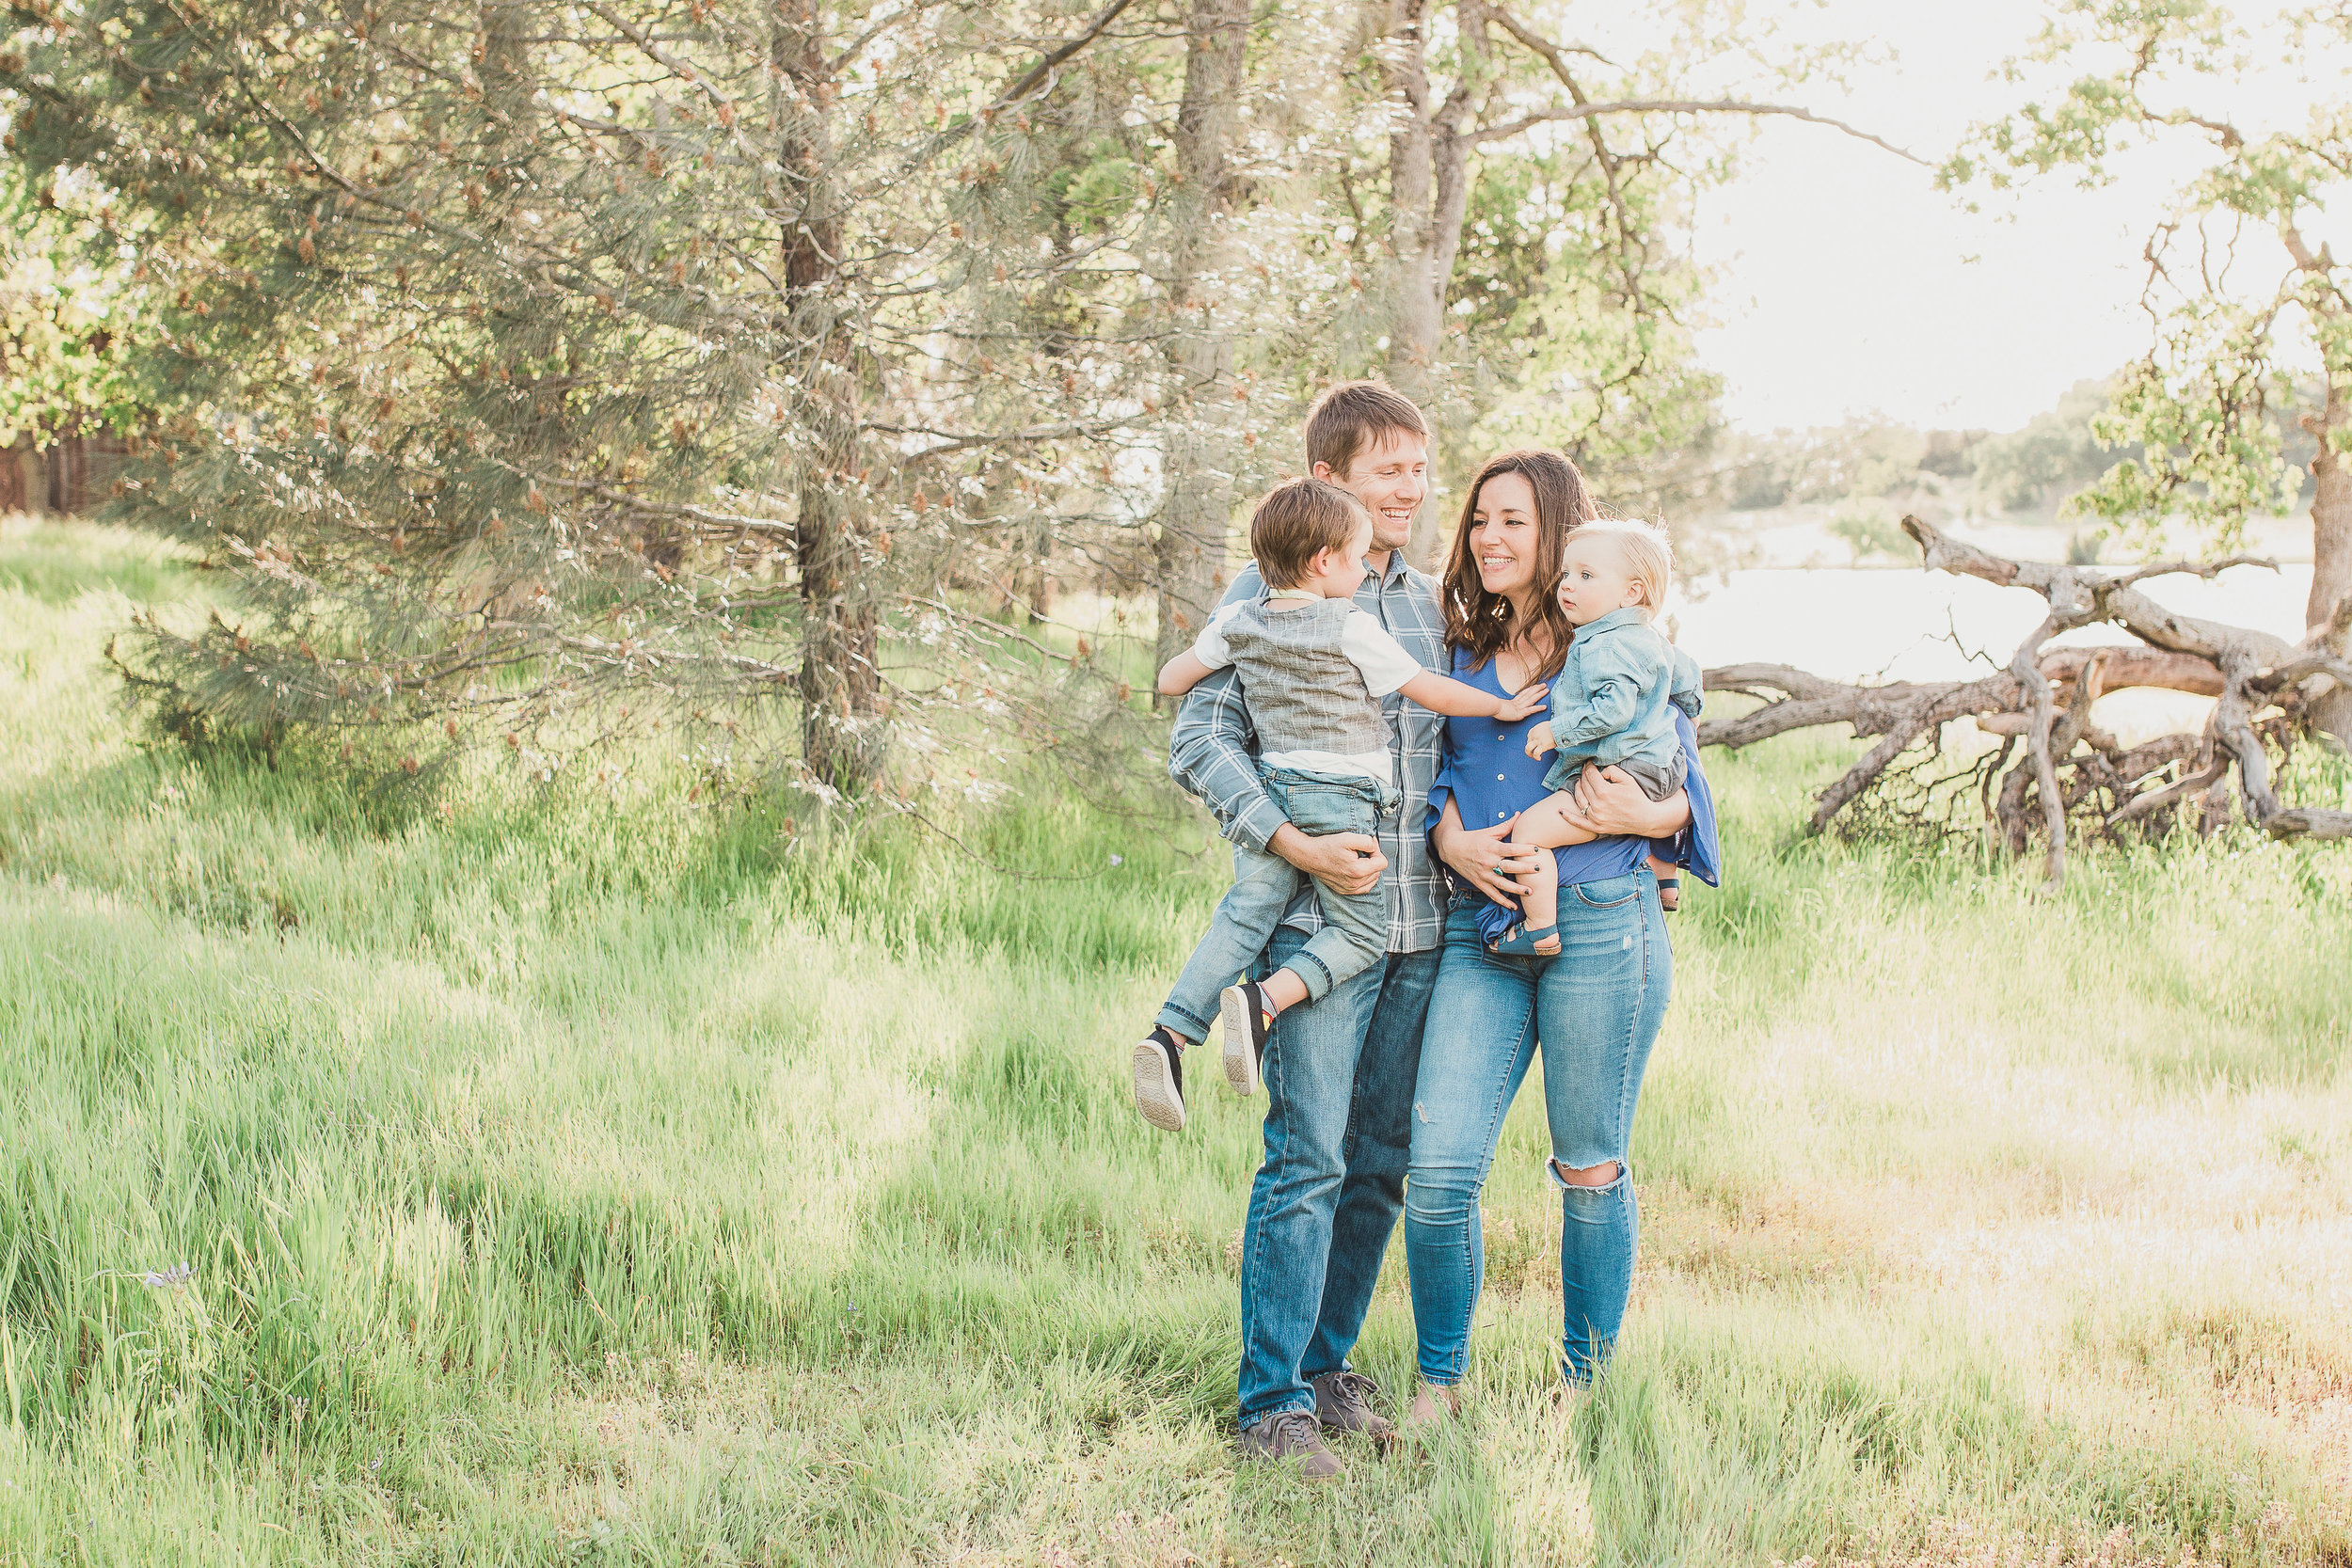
(1646, 551)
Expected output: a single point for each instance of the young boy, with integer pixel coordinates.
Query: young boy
(1313, 668)
(1610, 707)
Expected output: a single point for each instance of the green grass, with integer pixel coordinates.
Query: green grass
(592, 1175)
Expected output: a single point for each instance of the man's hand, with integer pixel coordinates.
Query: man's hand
(1609, 803)
(1345, 862)
(1539, 740)
(1484, 857)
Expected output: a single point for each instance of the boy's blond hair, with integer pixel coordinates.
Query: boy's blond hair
(1646, 551)
(1297, 520)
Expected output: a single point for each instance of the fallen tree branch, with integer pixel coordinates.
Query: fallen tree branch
(2053, 761)
(2129, 664)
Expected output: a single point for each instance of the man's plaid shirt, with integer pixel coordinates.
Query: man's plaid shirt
(1213, 754)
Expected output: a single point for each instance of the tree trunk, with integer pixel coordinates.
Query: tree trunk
(1412, 177)
(23, 485)
(840, 675)
(2331, 545)
(1189, 553)
(1429, 185)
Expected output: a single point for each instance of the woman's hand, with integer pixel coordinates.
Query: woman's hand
(1484, 858)
(1611, 804)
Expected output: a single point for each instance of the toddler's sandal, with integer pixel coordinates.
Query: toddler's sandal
(1669, 894)
(1519, 942)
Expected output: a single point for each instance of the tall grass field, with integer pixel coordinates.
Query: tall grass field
(513, 1173)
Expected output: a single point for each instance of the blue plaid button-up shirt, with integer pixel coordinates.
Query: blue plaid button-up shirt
(1213, 754)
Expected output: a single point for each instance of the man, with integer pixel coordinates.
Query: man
(1340, 1071)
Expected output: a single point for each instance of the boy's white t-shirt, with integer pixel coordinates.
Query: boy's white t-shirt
(1382, 659)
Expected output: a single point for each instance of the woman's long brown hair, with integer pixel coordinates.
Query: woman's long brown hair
(1481, 624)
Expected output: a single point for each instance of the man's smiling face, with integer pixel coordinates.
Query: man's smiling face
(1391, 477)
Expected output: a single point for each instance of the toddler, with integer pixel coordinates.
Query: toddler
(1312, 669)
(1610, 707)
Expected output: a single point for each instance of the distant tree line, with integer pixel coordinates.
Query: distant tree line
(2036, 469)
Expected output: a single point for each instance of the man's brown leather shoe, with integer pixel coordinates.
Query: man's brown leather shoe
(1344, 1403)
(1292, 1434)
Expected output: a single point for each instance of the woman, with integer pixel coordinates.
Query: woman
(1594, 1006)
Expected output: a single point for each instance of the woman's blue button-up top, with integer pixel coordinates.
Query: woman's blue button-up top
(1485, 769)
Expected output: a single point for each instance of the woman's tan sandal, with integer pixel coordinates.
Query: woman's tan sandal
(1436, 1403)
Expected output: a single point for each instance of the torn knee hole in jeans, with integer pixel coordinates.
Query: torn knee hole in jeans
(1566, 1175)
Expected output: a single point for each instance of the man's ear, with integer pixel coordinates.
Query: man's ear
(1323, 472)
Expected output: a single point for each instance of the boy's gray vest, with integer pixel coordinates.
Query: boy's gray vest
(1302, 693)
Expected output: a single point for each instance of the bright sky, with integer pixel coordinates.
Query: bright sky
(1851, 284)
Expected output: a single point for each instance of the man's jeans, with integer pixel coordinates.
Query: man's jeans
(1596, 1008)
(1339, 1079)
(1354, 935)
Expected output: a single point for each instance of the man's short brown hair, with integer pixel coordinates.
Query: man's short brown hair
(1353, 417)
(1298, 518)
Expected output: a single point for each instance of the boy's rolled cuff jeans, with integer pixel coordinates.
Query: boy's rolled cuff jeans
(1355, 934)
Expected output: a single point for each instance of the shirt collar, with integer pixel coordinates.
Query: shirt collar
(1397, 568)
(1630, 616)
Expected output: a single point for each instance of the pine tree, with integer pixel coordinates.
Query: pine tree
(529, 361)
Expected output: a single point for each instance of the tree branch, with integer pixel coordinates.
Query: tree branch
(1039, 72)
(2044, 697)
(1686, 107)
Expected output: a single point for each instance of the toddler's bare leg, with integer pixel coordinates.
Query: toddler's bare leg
(1669, 882)
(1544, 826)
(1539, 900)
(1546, 823)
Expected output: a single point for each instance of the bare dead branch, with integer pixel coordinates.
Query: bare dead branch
(2041, 706)
(2130, 665)
(1685, 106)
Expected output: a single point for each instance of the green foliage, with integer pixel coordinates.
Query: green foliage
(68, 320)
(506, 361)
(1581, 351)
(2208, 450)
(2201, 415)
